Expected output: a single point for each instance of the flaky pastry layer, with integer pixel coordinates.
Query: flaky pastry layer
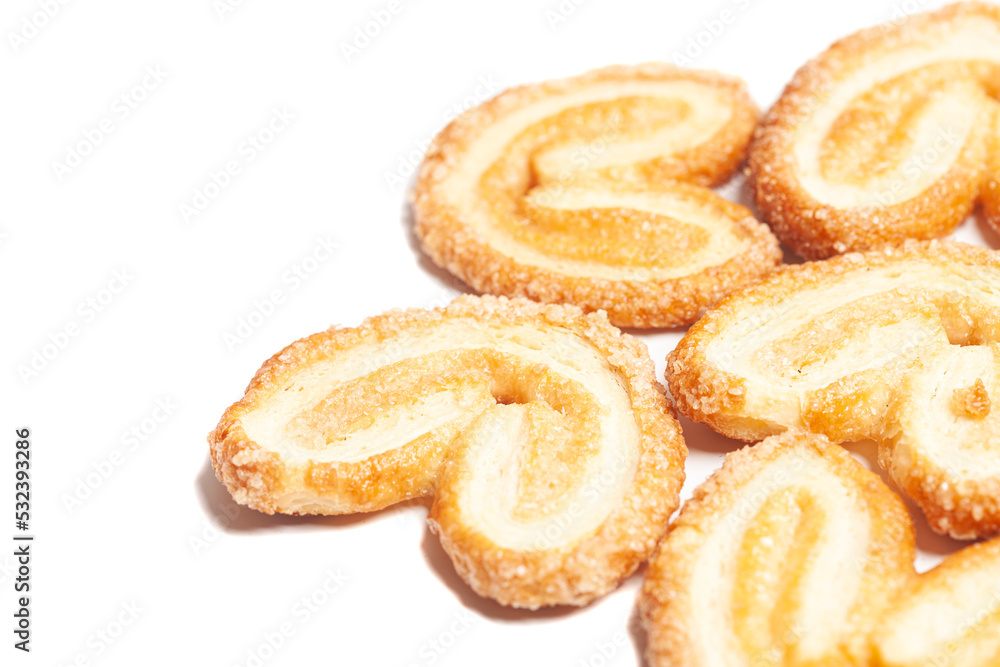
(947, 616)
(592, 191)
(890, 134)
(552, 454)
(787, 555)
(897, 345)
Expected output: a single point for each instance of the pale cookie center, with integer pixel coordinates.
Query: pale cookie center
(803, 568)
(563, 183)
(937, 130)
(816, 337)
(500, 446)
(586, 426)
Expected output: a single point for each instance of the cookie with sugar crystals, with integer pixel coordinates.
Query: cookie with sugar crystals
(787, 555)
(897, 345)
(890, 134)
(948, 616)
(593, 191)
(551, 452)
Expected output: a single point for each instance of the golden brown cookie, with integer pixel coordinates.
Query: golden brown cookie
(890, 134)
(950, 616)
(552, 454)
(788, 555)
(991, 191)
(897, 345)
(593, 191)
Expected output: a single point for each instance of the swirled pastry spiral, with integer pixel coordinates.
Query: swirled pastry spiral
(897, 345)
(591, 191)
(888, 135)
(950, 616)
(552, 454)
(788, 555)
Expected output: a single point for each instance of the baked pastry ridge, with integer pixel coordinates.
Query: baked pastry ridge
(787, 555)
(897, 345)
(552, 454)
(593, 191)
(889, 134)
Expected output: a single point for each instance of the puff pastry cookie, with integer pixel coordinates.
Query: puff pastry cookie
(788, 555)
(890, 134)
(897, 345)
(948, 616)
(551, 451)
(592, 191)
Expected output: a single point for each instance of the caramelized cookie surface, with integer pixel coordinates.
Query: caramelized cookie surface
(890, 134)
(593, 191)
(897, 345)
(550, 450)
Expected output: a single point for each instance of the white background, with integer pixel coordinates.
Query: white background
(134, 539)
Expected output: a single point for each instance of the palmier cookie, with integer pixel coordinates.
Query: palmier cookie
(890, 134)
(896, 345)
(788, 555)
(549, 447)
(592, 191)
(949, 617)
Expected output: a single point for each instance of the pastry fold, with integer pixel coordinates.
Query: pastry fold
(897, 345)
(890, 134)
(593, 191)
(787, 555)
(551, 452)
(948, 616)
